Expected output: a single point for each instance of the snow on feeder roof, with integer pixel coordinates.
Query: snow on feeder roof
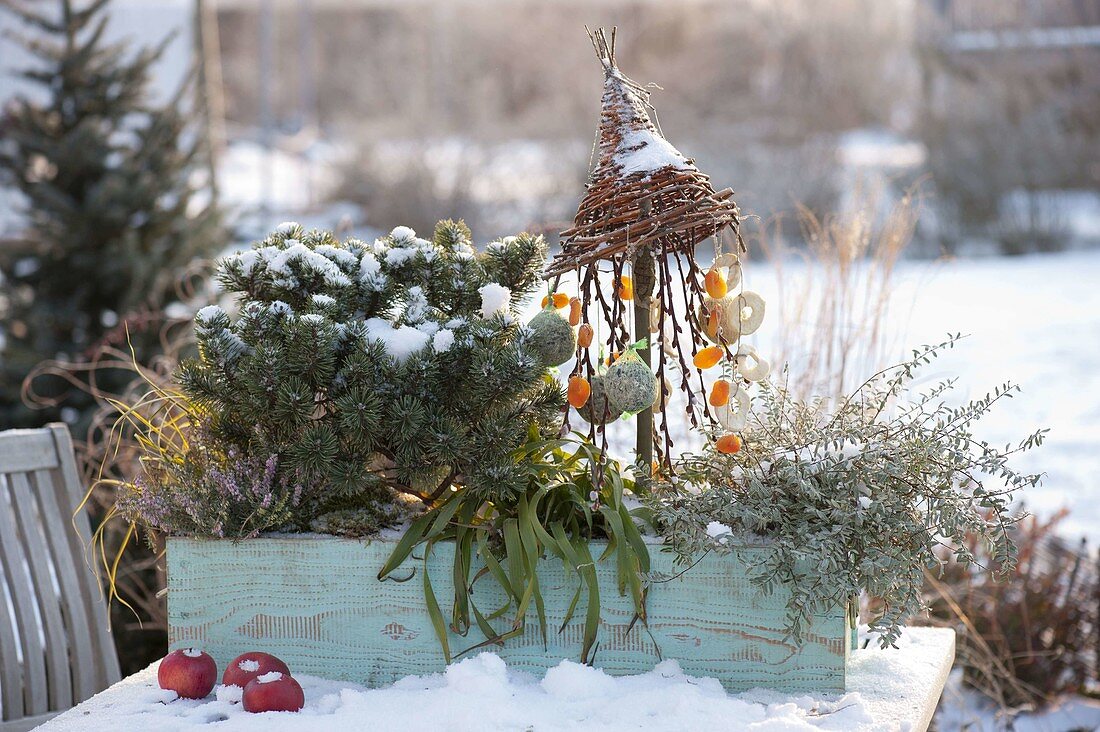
(642, 189)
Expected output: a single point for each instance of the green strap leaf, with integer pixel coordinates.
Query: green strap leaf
(409, 540)
(434, 613)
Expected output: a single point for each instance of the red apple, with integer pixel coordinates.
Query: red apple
(273, 692)
(248, 666)
(189, 672)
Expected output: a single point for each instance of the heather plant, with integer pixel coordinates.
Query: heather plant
(853, 499)
(210, 490)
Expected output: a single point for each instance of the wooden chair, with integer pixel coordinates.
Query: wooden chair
(55, 648)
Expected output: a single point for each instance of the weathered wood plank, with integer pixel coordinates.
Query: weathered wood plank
(16, 570)
(69, 568)
(26, 450)
(11, 671)
(49, 605)
(315, 602)
(26, 724)
(69, 491)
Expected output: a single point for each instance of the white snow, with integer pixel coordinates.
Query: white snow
(269, 677)
(416, 306)
(716, 529)
(443, 340)
(403, 233)
(966, 709)
(495, 298)
(370, 272)
(249, 665)
(341, 256)
(286, 228)
(230, 694)
(192, 652)
(400, 342)
(482, 694)
(399, 255)
(278, 262)
(278, 307)
(644, 151)
(209, 313)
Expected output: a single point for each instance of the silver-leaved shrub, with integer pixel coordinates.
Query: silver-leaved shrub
(863, 497)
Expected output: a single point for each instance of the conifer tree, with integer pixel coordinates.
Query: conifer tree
(369, 369)
(112, 215)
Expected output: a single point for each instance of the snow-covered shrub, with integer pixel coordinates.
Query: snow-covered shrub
(370, 370)
(853, 500)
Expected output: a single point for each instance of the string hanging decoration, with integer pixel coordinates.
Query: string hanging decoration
(632, 248)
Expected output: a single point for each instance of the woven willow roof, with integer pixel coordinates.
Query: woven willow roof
(642, 189)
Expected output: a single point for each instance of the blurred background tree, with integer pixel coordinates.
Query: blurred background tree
(117, 206)
(114, 205)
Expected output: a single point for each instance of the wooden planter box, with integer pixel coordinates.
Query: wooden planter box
(316, 603)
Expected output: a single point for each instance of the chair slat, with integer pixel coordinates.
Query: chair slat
(11, 672)
(70, 493)
(69, 567)
(57, 623)
(19, 583)
(60, 690)
(25, 450)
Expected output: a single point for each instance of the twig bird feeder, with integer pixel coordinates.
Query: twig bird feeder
(646, 207)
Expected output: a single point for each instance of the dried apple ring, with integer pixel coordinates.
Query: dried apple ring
(759, 368)
(750, 312)
(718, 319)
(734, 414)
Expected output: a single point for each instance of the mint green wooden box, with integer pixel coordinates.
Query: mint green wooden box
(316, 603)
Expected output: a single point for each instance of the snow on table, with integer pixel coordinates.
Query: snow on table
(888, 690)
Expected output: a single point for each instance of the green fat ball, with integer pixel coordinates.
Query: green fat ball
(552, 338)
(597, 404)
(630, 383)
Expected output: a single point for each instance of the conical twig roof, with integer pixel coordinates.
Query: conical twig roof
(642, 189)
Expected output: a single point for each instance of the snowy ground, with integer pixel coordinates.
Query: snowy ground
(1035, 321)
(481, 694)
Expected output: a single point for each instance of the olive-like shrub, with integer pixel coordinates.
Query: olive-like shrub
(853, 499)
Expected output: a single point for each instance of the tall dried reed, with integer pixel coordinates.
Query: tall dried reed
(836, 291)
